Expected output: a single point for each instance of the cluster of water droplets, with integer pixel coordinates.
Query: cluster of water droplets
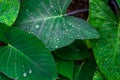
(29, 72)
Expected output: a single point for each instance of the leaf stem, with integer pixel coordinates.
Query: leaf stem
(76, 11)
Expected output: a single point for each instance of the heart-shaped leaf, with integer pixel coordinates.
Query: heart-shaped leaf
(8, 11)
(47, 20)
(107, 47)
(25, 57)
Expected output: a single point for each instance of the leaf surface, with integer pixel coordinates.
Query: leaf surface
(107, 47)
(85, 71)
(65, 68)
(75, 51)
(47, 20)
(98, 76)
(8, 11)
(25, 57)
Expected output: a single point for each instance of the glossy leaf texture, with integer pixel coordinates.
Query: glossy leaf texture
(86, 70)
(65, 68)
(48, 21)
(3, 77)
(107, 47)
(25, 57)
(75, 51)
(8, 11)
(98, 76)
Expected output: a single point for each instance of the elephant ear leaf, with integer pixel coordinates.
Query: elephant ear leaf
(25, 57)
(8, 11)
(47, 20)
(107, 47)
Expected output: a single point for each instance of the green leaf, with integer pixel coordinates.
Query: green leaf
(86, 70)
(65, 68)
(75, 51)
(98, 76)
(48, 21)
(118, 1)
(3, 77)
(25, 57)
(107, 47)
(8, 11)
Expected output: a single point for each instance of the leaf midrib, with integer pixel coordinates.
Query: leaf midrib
(40, 19)
(20, 52)
(9, 45)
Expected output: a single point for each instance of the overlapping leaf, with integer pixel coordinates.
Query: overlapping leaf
(25, 57)
(76, 51)
(65, 68)
(85, 71)
(8, 11)
(107, 47)
(46, 19)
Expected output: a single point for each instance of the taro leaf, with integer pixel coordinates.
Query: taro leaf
(3, 77)
(76, 51)
(107, 47)
(8, 11)
(47, 20)
(65, 68)
(98, 76)
(86, 70)
(25, 57)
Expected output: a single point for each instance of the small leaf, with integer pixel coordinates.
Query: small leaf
(65, 68)
(48, 21)
(75, 51)
(107, 47)
(86, 70)
(25, 57)
(8, 11)
(98, 76)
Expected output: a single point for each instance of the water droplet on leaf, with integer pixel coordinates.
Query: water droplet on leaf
(30, 71)
(24, 74)
(37, 26)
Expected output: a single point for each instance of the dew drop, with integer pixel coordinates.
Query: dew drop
(57, 39)
(24, 74)
(51, 6)
(26, 10)
(56, 46)
(37, 26)
(29, 32)
(66, 30)
(70, 24)
(30, 71)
